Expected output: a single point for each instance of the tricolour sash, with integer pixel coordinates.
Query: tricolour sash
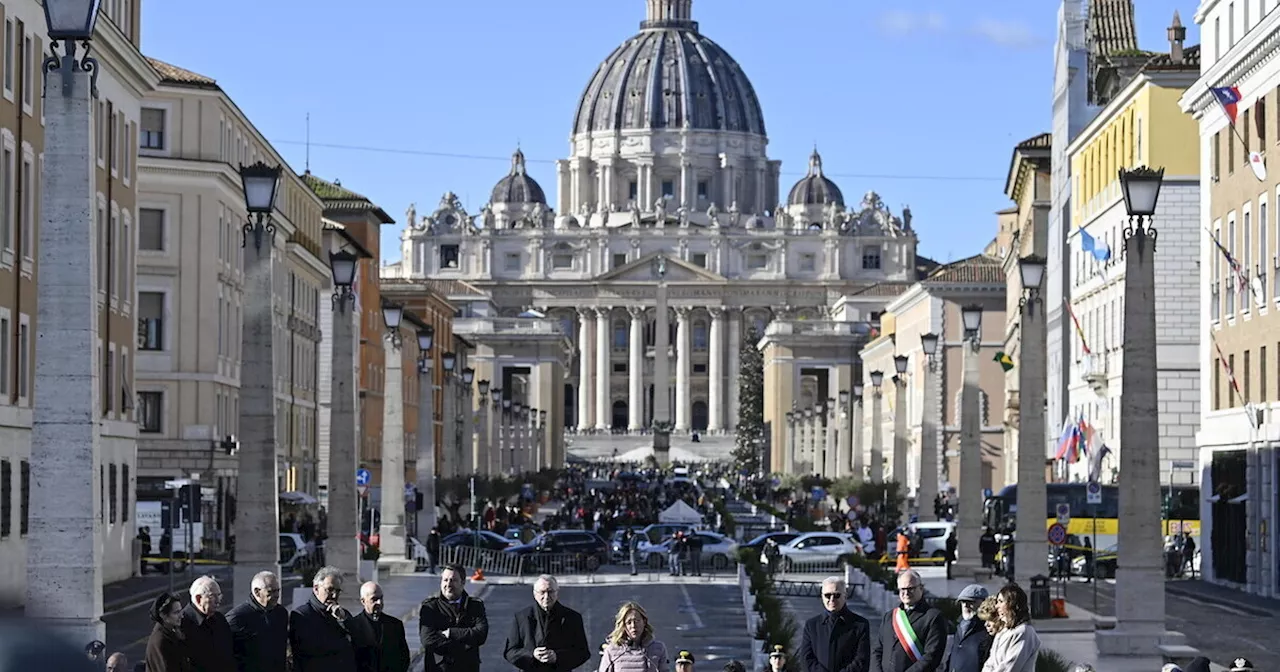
(906, 635)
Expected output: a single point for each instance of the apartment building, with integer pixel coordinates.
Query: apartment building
(1239, 346)
(124, 78)
(191, 297)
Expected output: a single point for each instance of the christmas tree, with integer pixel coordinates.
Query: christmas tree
(749, 437)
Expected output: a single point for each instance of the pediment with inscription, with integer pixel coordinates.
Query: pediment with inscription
(676, 270)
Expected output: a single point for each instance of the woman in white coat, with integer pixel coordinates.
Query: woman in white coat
(1016, 647)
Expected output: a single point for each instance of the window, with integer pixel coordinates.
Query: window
(620, 335)
(150, 230)
(620, 367)
(1231, 25)
(512, 261)
(1260, 123)
(700, 259)
(150, 406)
(448, 256)
(632, 190)
(808, 262)
(756, 262)
(1217, 154)
(109, 381)
(127, 148)
(113, 492)
(699, 368)
(99, 135)
(1231, 392)
(871, 258)
(1262, 246)
(28, 69)
(6, 199)
(4, 357)
(102, 248)
(150, 321)
(9, 59)
(619, 259)
(152, 134)
(668, 189)
(125, 489)
(28, 209)
(700, 336)
(702, 189)
(1217, 384)
(24, 492)
(562, 258)
(24, 350)
(1246, 303)
(1245, 145)
(1262, 373)
(6, 498)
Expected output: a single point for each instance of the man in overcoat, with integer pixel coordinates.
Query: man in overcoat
(452, 625)
(547, 636)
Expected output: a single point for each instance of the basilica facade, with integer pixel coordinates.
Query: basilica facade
(668, 157)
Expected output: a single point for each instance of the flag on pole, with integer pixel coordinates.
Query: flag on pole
(1100, 250)
(1006, 362)
(1228, 97)
(1237, 269)
(1231, 375)
(1076, 322)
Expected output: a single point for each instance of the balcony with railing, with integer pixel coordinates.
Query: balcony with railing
(1093, 370)
(507, 326)
(1215, 302)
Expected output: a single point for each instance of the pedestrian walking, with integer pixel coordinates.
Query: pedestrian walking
(205, 628)
(319, 635)
(260, 628)
(694, 544)
(837, 639)
(167, 649)
(378, 637)
(433, 550)
(631, 542)
(987, 548)
(950, 556)
(675, 553)
(1017, 646)
(972, 643)
(904, 552)
(547, 636)
(911, 636)
(632, 647)
(452, 625)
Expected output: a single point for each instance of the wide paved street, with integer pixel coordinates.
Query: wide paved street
(1221, 631)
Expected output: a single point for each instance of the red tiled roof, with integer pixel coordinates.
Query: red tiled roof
(979, 269)
(172, 74)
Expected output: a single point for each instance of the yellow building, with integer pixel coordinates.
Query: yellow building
(1140, 124)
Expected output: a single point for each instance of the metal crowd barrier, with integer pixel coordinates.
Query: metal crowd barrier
(507, 564)
(811, 568)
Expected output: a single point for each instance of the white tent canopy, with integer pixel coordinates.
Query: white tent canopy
(680, 513)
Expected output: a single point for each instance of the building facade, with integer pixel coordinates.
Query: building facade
(650, 173)
(124, 79)
(1239, 379)
(1140, 124)
(191, 299)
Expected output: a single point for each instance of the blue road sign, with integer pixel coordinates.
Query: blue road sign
(363, 477)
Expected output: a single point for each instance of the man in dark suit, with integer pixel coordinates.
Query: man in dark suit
(379, 638)
(972, 643)
(837, 640)
(547, 636)
(260, 628)
(208, 636)
(913, 636)
(453, 626)
(319, 631)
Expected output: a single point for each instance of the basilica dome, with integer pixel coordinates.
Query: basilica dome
(669, 76)
(815, 188)
(517, 186)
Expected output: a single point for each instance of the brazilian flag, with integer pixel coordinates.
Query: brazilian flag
(1006, 362)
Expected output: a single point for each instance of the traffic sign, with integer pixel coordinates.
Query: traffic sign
(363, 477)
(362, 490)
(1064, 513)
(1093, 492)
(1057, 534)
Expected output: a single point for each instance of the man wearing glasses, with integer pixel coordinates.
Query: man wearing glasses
(837, 640)
(319, 636)
(912, 636)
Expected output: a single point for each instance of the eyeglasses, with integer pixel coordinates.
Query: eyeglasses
(907, 589)
(332, 590)
(832, 596)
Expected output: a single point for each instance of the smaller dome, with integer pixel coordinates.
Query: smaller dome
(814, 188)
(517, 186)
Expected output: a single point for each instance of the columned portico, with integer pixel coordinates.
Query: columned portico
(603, 369)
(682, 368)
(635, 369)
(715, 372)
(586, 353)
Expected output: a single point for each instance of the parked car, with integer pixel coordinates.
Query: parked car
(483, 539)
(563, 543)
(621, 554)
(295, 553)
(659, 531)
(933, 535)
(817, 548)
(781, 538)
(718, 551)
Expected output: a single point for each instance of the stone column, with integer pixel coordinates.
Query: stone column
(448, 451)
(969, 526)
(859, 463)
(685, 196)
(877, 435)
(467, 448)
(715, 373)
(831, 452)
(342, 550)
(661, 358)
(392, 528)
(1032, 496)
(586, 353)
(604, 368)
(844, 454)
(426, 464)
(635, 369)
(929, 439)
(1140, 587)
(900, 443)
(682, 368)
(484, 442)
(735, 364)
(64, 547)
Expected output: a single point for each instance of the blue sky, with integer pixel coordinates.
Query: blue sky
(922, 105)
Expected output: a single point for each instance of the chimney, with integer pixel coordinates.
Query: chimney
(1177, 35)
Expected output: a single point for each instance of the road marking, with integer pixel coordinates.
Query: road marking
(1229, 610)
(693, 609)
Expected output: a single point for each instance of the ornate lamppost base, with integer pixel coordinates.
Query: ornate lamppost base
(662, 443)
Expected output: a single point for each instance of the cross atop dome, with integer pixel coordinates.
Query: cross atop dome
(669, 14)
(517, 162)
(815, 163)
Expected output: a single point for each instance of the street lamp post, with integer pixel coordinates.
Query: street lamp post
(466, 406)
(507, 449)
(877, 428)
(844, 448)
(900, 442)
(792, 464)
(392, 530)
(969, 528)
(1030, 542)
(64, 544)
(811, 423)
(518, 436)
(342, 550)
(542, 442)
(928, 491)
(1140, 598)
(448, 454)
(830, 454)
(858, 463)
(482, 464)
(425, 518)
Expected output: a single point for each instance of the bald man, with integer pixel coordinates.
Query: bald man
(378, 637)
(118, 662)
(260, 627)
